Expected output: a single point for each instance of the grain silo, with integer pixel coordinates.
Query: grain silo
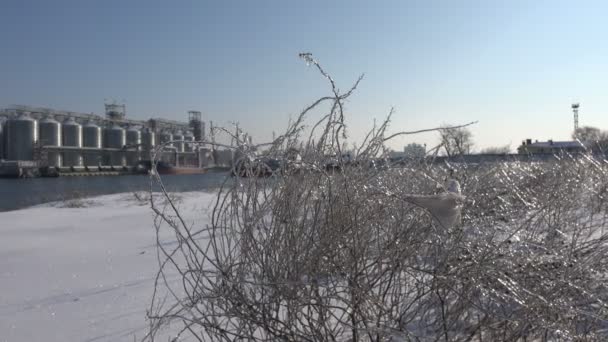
(165, 137)
(71, 132)
(91, 140)
(189, 145)
(50, 136)
(2, 122)
(133, 138)
(20, 135)
(115, 138)
(148, 140)
(178, 137)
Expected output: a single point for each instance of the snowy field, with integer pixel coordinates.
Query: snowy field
(73, 273)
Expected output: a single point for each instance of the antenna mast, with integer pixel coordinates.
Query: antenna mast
(575, 107)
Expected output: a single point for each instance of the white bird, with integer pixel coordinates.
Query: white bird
(445, 207)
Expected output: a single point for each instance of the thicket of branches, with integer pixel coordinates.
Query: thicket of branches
(340, 253)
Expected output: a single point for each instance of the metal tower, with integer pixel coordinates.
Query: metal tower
(575, 107)
(197, 125)
(115, 111)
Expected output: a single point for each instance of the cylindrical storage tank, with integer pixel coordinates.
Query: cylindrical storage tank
(50, 135)
(148, 139)
(72, 137)
(165, 137)
(1, 138)
(21, 135)
(91, 139)
(91, 135)
(189, 146)
(71, 133)
(134, 137)
(134, 145)
(116, 138)
(179, 138)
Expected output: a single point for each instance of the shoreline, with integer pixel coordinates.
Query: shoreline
(83, 273)
(17, 194)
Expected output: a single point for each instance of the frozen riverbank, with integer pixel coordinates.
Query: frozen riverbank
(21, 193)
(84, 273)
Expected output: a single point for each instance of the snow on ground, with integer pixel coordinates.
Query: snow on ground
(70, 273)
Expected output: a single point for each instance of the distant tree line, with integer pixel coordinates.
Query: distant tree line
(592, 137)
(455, 142)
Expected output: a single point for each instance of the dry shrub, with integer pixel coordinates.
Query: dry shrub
(331, 248)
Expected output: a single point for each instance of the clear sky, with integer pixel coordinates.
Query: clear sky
(515, 66)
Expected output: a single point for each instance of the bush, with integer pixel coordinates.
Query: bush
(349, 253)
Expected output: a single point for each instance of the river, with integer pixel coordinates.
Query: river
(21, 193)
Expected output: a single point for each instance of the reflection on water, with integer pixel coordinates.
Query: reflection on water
(19, 193)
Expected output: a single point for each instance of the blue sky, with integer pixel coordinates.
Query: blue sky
(515, 66)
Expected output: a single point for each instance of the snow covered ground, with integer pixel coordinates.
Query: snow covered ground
(83, 273)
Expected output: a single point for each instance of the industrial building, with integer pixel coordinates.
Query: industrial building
(554, 147)
(550, 146)
(62, 140)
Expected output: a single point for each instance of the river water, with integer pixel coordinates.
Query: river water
(20, 193)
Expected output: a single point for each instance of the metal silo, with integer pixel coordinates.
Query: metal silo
(148, 142)
(116, 138)
(50, 135)
(91, 135)
(133, 137)
(134, 145)
(165, 137)
(21, 135)
(148, 139)
(91, 139)
(72, 137)
(1, 138)
(189, 146)
(179, 138)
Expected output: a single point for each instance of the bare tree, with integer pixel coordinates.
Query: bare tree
(592, 137)
(456, 141)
